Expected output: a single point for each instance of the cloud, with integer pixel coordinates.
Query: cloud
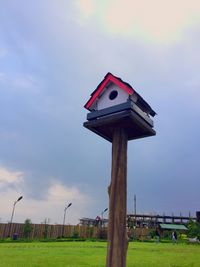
(157, 21)
(8, 177)
(51, 206)
(25, 83)
(52, 65)
(57, 198)
(87, 7)
(20, 83)
(57, 192)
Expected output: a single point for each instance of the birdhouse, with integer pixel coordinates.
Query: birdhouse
(115, 104)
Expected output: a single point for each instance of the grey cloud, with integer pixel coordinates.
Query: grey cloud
(47, 139)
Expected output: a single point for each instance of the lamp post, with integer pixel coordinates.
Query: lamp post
(102, 215)
(64, 217)
(13, 210)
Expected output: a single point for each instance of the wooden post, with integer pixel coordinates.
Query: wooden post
(117, 234)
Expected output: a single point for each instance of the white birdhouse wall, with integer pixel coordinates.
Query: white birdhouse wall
(113, 95)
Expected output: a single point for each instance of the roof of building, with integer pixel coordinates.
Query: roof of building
(173, 226)
(123, 85)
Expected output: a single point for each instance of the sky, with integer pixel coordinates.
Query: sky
(53, 54)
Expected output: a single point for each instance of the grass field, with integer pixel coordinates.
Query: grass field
(79, 254)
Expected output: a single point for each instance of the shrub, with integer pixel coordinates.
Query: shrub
(27, 228)
(152, 233)
(193, 229)
(75, 234)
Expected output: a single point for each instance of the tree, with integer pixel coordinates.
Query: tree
(193, 229)
(46, 225)
(27, 228)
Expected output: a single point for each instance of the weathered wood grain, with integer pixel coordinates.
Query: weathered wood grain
(117, 235)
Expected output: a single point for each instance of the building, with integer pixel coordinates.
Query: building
(144, 220)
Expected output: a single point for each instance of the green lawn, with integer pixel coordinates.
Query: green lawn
(79, 254)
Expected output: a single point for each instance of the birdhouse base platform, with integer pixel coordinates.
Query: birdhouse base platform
(134, 126)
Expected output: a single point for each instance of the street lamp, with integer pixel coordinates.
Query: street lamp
(102, 215)
(64, 217)
(13, 210)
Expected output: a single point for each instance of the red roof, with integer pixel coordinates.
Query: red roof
(123, 85)
(108, 78)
